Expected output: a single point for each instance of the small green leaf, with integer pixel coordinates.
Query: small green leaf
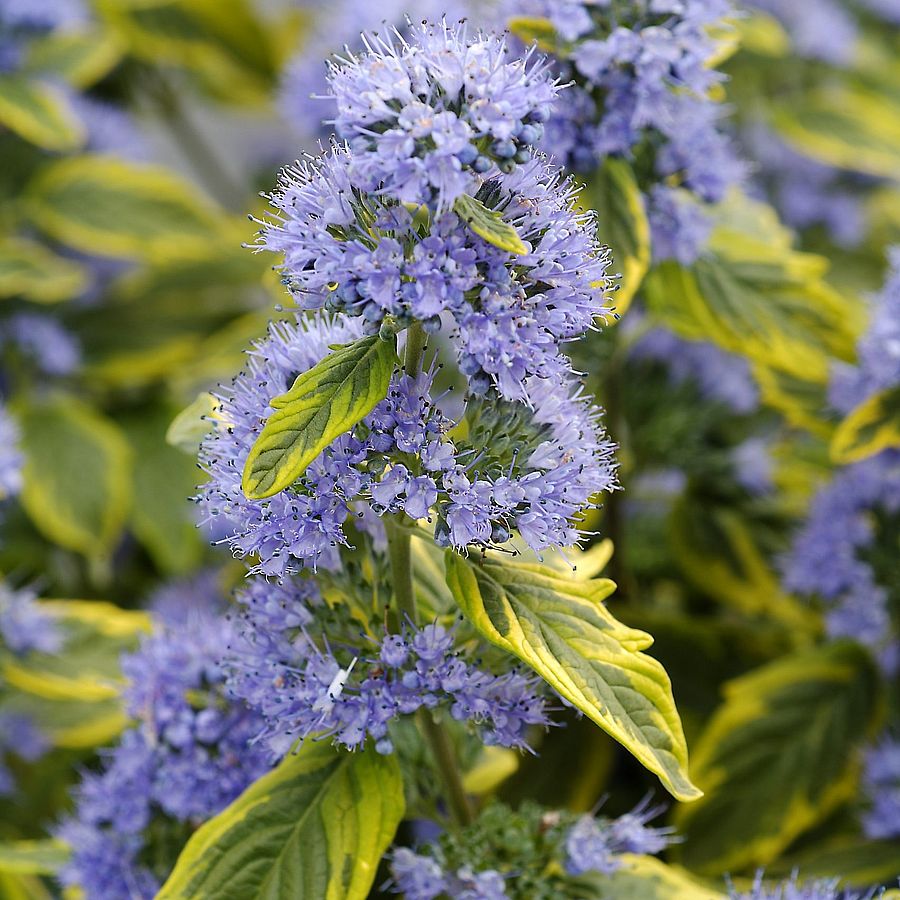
(560, 627)
(778, 757)
(80, 57)
(324, 403)
(39, 113)
(33, 857)
(535, 30)
(77, 474)
(31, 271)
(489, 224)
(188, 429)
(314, 828)
(621, 224)
(870, 428)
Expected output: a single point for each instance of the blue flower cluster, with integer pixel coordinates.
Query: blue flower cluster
(189, 755)
(589, 845)
(719, 376)
(593, 845)
(426, 117)
(878, 352)
(369, 256)
(352, 687)
(642, 81)
(23, 20)
(807, 192)
(53, 349)
(21, 737)
(303, 94)
(10, 456)
(826, 557)
(881, 780)
(794, 889)
(472, 496)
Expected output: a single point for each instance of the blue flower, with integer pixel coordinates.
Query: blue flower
(351, 689)
(11, 459)
(794, 889)
(24, 626)
(189, 755)
(54, 350)
(881, 781)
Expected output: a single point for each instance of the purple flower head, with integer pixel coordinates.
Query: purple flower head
(42, 339)
(794, 889)
(642, 80)
(24, 626)
(303, 94)
(11, 459)
(506, 314)
(527, 469)
(827, 556)
(881, 781)
(189, 756)
(720, 376)
(429, 113)
(823, 30)
(878, 367)
(352, 688)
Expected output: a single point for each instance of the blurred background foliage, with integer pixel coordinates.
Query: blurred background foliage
(134, 141)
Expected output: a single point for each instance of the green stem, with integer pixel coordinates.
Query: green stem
(399, 552)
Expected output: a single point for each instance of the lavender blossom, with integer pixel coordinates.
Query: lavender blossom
(881, 781)
(878, 350)
(11, 459)
(24, 626)
(794, 889)
(526, 469)
(429, 115)
(720, 376)
(642, 83)
(368, 257)
(42, 339)
(303, 95)
(826, 557)
(19, 736)
(23, 20)
(188, 757)
(353, 692)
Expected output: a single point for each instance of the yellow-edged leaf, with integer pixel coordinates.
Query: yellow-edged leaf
(323, 403)
(314, 828)
(489, 224)
(870, 428)
(561, 629)
(645, 878)
(39, 113)
(31, 271)
(778, 757)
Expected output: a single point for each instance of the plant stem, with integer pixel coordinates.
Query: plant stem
(399, 552)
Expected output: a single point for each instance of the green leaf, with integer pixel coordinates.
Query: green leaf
(104, 205)
(77, 474)
(755, 296)
(621, 224)
(164, 478)
(535, 30)
(850, 125)
(32, 857)
(858, 862)
(778, 757)
(80, 57)
(39, 113)
(644, 878)
(489, 224)
(870, 428)
(314, 828)
(74, 695)
(560, 627)
(188, 429)
(31, 271)
(324, 403)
